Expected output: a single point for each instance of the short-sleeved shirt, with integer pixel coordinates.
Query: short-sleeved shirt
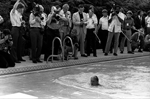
(15, 18)
(104, 23)
(91, 22)
(115, 25)
(147, 20)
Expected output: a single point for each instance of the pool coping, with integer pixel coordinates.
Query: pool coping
(69, 63)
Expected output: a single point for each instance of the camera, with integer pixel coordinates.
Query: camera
(37, 12)
(6, 32)
(115, 8)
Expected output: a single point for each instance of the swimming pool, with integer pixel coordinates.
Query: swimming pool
(126, 79)
(121, 79)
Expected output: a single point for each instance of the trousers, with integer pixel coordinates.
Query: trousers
(109, 41)
(6, 60)
(36, 43)
(128, 33)
(91, 41)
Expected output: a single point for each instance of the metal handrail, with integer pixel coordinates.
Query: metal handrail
(59, 55)
(67, 37)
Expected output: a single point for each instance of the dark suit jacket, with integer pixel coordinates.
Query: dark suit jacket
(138, 23)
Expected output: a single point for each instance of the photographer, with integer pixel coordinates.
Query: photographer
(114, 30)
(17, 22)
(36, 34)
(65, 21)
(52, 31)
(5, 43)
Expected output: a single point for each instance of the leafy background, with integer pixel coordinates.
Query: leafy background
(134, 5)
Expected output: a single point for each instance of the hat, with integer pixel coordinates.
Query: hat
(104, 10)
(129, 12)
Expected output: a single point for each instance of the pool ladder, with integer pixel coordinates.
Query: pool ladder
(62, 45)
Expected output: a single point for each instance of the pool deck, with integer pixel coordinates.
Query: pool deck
(28, 66)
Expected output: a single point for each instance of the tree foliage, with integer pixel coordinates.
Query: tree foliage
(133, 5)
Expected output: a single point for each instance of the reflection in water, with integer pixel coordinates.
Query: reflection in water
(123, 82)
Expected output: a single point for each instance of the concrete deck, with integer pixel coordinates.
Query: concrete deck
(28, 66)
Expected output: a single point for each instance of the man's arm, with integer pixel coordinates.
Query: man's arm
(1, 19)
(15, 6)
(99, 25)
(95, 23)
(32, 20)
(74, 20)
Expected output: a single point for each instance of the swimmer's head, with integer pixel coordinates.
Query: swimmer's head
(95, 81)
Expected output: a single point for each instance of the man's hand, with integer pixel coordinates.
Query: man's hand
(11, 43)
(6, 38)
(81, 23)
(38, 19)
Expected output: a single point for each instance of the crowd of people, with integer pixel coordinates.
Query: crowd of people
(114, 28)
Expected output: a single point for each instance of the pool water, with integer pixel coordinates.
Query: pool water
(128, 79)
(122, 79)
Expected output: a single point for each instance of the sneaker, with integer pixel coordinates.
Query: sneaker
(115, 54)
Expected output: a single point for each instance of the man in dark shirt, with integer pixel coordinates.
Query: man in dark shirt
(139, 20)
(128, 24)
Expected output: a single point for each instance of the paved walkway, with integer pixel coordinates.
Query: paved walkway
(28, 66)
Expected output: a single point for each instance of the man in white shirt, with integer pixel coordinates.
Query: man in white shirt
(103, 26)
(17, 22)
(147, 21)
(1, 19)
(91, 30)
(114, 30)
(37, 22)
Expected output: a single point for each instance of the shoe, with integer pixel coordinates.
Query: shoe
(121, 52)
(34, 61)
(94, 55)
(106, 54)
(140, 50)
(11, 66)
(65, 58)
(22, 60)
(88, 54)
(111, 52)
(115, 54)
(39, 61)
(130, 52)
(17, 62)
(55, 58)
(76, 58)
(83, 55)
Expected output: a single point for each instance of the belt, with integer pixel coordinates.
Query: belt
(128, 29)
(35, 28)
(16, 26)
